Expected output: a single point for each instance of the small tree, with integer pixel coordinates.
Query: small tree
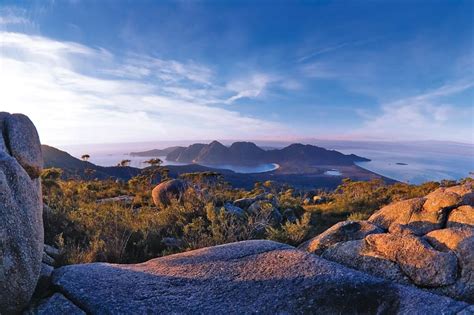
(85, 157)
(50, 180)
(89, 172)
(154, 162)
(124, 163)
(155, 169)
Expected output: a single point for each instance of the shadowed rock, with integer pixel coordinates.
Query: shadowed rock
(340, 232)
(21, 224)
(241, 278)
(57, 304)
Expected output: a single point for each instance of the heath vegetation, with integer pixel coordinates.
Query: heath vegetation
(117, 221)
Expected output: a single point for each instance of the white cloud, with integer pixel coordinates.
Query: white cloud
(145, 99)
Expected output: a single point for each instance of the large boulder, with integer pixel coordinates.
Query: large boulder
(234, 210)
(241, 278)
(354, 254)
(164, 192)
(22, 142)
(441, 199)
(461, 242)
(466, 191)
(266, 211)
(21, 224)
(340, 232)
(420, 215)
(424, 265)
(449, 239)
(461, 217)
(397, 212)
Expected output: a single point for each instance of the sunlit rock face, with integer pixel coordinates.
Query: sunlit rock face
(21, 224)
(427, 242)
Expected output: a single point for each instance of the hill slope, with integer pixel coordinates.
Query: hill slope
(73, 167)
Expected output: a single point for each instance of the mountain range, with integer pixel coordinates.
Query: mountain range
(298, 164)
(248, 153)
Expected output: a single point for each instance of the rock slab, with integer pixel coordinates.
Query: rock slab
(241, 278)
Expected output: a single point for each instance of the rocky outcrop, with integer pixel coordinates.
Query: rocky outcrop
(164, 192)
(426, 242)
(461, 217)
(342, 231)
(354, 254)
(424, 265)
(230, 208)
(244, 277)
(244, 203)
(21, 225)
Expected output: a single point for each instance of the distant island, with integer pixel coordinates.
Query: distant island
(400, 163)
(248, 153)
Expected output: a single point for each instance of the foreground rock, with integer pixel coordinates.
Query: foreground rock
(427, 242)
(57, 304)
(241, 278)
(21, 224)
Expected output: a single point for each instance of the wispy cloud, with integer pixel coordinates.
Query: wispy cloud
(258, 84)
(13, 16)
(423, 116)
(330, 48)
(166, 70)
(144, 98)
(252, 86)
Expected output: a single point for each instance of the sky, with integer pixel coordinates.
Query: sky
(129, 71)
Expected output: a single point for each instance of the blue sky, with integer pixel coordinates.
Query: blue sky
(124, 71)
